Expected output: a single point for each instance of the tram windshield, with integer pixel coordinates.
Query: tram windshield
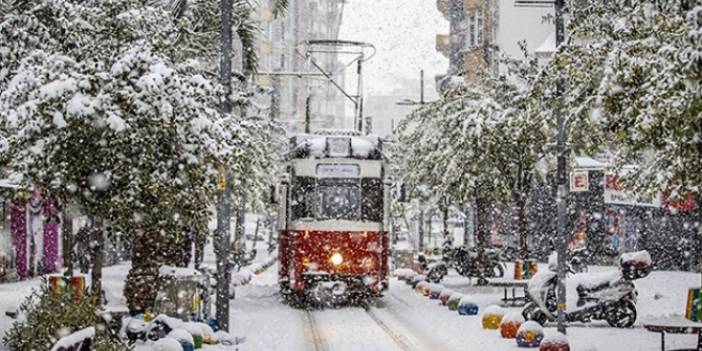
(339, 201)
(351, 199)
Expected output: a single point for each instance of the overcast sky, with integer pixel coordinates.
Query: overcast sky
(404, 33)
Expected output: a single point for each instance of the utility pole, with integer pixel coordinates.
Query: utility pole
(561, 177)
(421, 87)
(224, 181)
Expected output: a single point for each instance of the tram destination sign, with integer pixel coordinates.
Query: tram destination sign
(338, 171)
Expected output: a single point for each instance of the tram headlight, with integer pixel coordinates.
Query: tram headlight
(336, 259)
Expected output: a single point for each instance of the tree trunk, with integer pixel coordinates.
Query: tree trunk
(142, 282)
(200, 241)
(445, 220)
(98, 244)
(522, 223)
(67, 231)
(481, 234)
(420, 234)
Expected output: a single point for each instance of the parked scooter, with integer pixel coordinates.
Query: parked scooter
(465, 261)
(610, 297)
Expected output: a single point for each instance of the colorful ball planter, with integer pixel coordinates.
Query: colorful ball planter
(510, 325)
(422, 287)
(467, 307)
(554, 342)
(435, 291)
(444, 296)
(418, 279)
(530, 334)
(453, 301)
(493, 317)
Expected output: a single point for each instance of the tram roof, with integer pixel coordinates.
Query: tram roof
(368, 147)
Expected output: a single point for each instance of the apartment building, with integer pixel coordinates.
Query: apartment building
(299, 95)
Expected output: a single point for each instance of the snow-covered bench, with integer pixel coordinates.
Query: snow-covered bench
(675, 325)
(78, 341)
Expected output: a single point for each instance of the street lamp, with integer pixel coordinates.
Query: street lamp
(561, 180)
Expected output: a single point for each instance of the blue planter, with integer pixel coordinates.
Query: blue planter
(468, 309)
(187, 346)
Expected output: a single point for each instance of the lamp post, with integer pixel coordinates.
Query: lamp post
(561, 177)
(561, 181)
(224, 182)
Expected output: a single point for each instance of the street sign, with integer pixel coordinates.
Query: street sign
(579, 181)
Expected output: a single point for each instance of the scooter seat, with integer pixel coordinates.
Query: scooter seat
(597, 282)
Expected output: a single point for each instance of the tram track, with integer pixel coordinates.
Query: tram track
(318, 341)
(392, 333)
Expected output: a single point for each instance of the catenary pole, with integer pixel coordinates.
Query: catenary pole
(561, 177)
(224, 181)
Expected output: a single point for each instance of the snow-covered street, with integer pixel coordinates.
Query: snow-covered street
(404, 319)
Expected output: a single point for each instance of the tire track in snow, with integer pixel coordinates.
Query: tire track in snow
(312, 330)
(419, 340)
(394, 335)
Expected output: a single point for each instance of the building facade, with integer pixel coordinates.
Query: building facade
(483, 30)
(299, 95)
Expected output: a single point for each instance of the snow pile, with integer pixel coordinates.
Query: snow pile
(419, 278)
(446, 293)
(403, 273)
(193, 328)
(467, 300)
(436, 288)
(223, 337)
(166, 344)
(530, 326)
(241, 277)
(513, 317)
(594, 280)
(178, 272)
(494, 310)
(554, 339)
(362, 148)
(170, 322)
(181, 335)
(75, 338)
(639, 258)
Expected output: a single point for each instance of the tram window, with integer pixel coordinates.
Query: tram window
(372, 206)
(339, 201)
(303, 197)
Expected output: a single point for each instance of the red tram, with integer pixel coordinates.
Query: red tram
(333, 209)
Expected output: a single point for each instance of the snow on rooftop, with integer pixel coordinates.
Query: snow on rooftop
(583, 162)
(316, 145)
(548, 46)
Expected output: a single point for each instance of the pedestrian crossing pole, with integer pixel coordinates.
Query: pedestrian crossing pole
(222, 237)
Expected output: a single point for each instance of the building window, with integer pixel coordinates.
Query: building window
(475, 30)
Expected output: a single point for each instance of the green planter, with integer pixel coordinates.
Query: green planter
(454, 301)
(197, 339)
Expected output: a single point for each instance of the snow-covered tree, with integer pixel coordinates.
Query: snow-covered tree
(99, 107)
(651, 94)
